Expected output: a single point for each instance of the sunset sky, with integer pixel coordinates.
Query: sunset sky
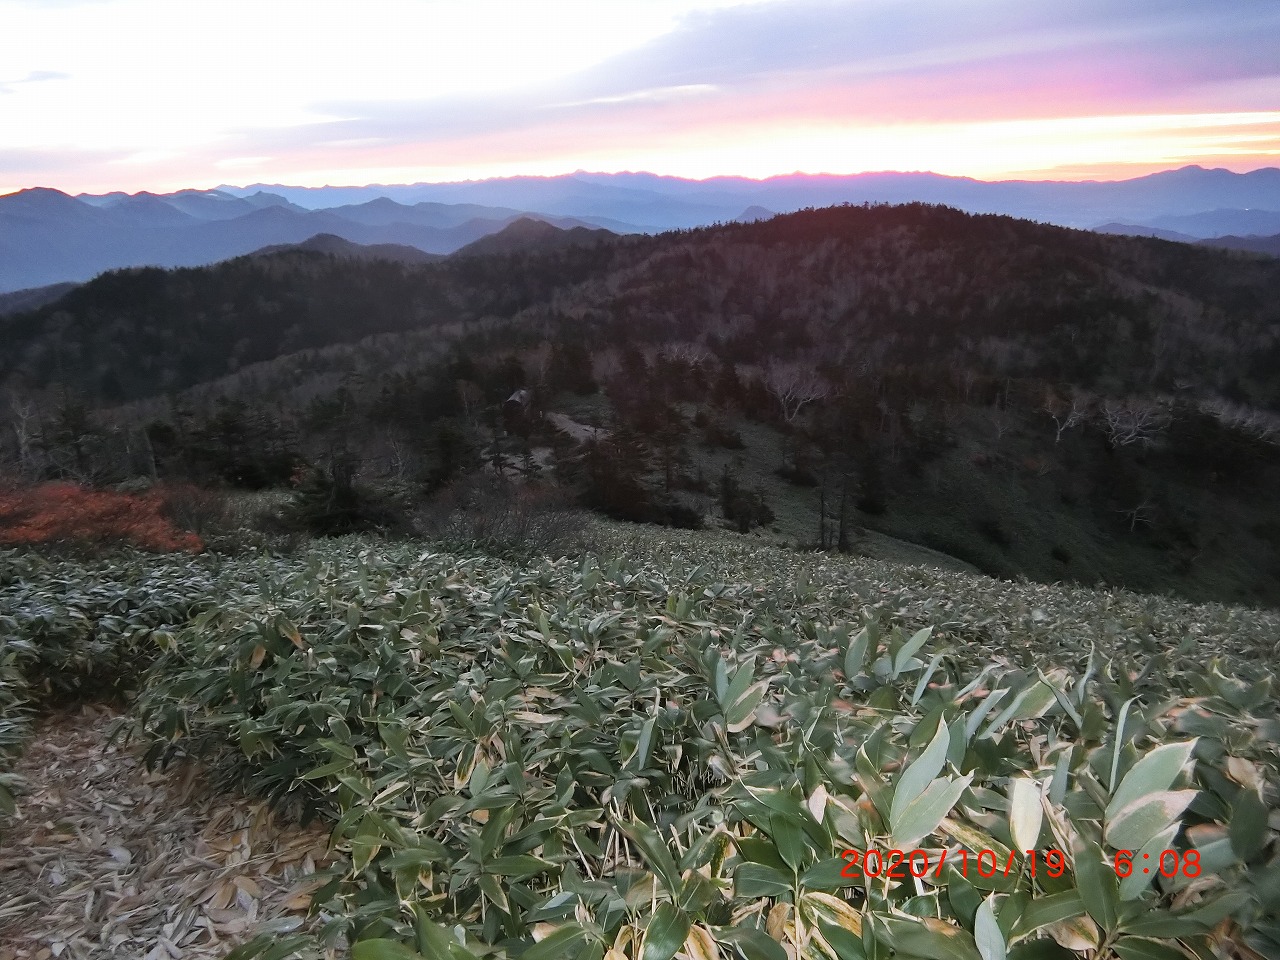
(99, 95)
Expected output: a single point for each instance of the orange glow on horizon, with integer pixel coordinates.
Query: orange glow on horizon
(150, 95)
(1074, 148)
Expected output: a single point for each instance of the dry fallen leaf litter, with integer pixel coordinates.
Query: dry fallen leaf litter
(105, 859)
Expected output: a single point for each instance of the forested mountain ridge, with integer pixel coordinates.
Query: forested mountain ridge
(844, 285)
(134, 333)
(1035, 400)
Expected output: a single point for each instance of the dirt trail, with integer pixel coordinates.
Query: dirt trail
(106, 860)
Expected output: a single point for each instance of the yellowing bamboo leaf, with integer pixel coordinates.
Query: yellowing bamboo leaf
(776, 923)
(1079, 934)
(701, 945)
(1244, 772)
(833, 910)
(817, 803)
(1025, 813)
(290, 631)
(528, 716)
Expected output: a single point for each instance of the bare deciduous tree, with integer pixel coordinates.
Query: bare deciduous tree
(1261, 424)
(794, 386)
(1134, 420)
(471, 397)
(685, 352)
(1067, 414)
(1144, 512)
(1001, 421)
(24, 432)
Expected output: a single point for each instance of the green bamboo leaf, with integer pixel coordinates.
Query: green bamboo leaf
(720, 672)
(518, 867)
(1134, 824)
(1216, 909)
(1248, 824)
(929, 937)
(1153, 773)
(1146, 864)
(1045, 910)
(962, 895)
(1043, 949)
(558, 944)
(923, 682)
(1163, 924)
(1119, 742)
(382, 949)
(271, 946)
(760, 849)
(920, 773)
(1137, 948)
(1097, 885)
(1063, 701)
(666, 933)
(826, 876)
(433, 939)
(738, 686)
(974, 720)
(923, 815)
(697, 893)
(751, 943)
(704, 850)
(856, 655)
(793, 843)
(327, 769)
(908, 649)
(752, 880)
(1061, 777)
(742, 712)
(644, 746)
(1032, 701)
(986, 932)
(872, 783)
(655, 852)
(839, 941)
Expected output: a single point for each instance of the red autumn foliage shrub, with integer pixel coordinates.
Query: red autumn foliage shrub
(67, 513)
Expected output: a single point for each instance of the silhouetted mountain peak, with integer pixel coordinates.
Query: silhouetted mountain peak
(333, 245)
(40, 198)
(50, 208)
(528, 233)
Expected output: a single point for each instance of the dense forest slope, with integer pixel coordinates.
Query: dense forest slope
(1032, 399)
(1016, 298)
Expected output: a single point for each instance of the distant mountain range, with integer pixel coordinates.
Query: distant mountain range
(1267, 245)
(653, 202)
(1207, 225)
(49, 237)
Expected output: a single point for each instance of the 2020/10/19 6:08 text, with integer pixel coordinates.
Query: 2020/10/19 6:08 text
(900, 864)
